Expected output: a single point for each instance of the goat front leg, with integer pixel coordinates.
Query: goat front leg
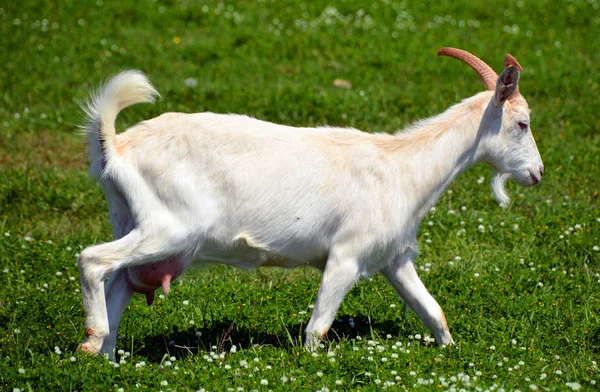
(339, 276)
(403, 277)
(118, 293)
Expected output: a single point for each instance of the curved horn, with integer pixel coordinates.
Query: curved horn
(485, 72)
(510, 60)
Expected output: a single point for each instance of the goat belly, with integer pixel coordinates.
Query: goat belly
(145, 279)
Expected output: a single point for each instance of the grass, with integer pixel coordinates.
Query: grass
(519, 287)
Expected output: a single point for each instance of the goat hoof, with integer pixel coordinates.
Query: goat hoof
(88, 348)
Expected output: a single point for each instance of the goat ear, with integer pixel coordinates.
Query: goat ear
(506, 85)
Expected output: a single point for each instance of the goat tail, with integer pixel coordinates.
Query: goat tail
(123, 90)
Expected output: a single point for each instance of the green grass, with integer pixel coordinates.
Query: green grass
(521, 297)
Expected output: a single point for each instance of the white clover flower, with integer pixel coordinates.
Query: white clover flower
(57, 350)
(21, 371)
(164, 383)
(481, 228)
(476, 274)
(319, 374)
(186, 302)
(191, 82)
(243, 363)
(573, 385)
(284, 379)
(264, 381)
(492, 348)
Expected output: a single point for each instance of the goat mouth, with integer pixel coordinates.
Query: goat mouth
(534, 179)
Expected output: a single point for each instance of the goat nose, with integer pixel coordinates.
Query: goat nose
(541, 171)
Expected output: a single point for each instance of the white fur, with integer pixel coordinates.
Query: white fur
(232, 189)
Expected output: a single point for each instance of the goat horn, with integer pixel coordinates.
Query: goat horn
(485, 72)
(510, 60)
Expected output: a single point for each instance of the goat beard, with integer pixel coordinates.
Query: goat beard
(498, 182)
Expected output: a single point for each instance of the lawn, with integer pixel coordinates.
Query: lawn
(519, 287)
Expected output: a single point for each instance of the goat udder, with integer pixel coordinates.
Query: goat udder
(145, 279)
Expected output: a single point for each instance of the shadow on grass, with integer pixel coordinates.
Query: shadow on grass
(224, 334)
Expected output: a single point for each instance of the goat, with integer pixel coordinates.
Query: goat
(200, 188)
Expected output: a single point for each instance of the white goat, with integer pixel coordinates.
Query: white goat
(194, 188)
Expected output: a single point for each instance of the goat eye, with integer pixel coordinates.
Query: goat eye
(523, 125)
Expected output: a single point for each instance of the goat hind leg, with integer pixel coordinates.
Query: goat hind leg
(118, 293)
(98, 261)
